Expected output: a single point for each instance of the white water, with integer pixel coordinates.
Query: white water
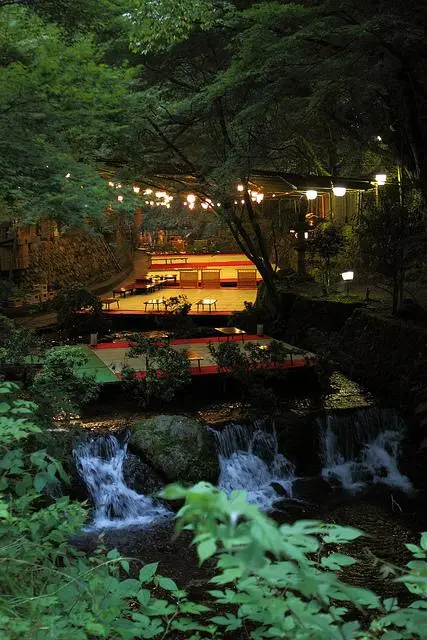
(100, 463)
(249, 460)
(362, 449)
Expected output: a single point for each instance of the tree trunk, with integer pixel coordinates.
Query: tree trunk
(395, 294)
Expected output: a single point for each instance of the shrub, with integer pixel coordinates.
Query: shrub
(271, 581)
(61, 389)
(69, 304)
(167, 371)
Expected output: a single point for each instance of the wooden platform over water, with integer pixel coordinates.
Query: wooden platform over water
(107, 360)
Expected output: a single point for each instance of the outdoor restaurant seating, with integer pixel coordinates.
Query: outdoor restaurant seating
(210, 278)
(246, 278)
(188, 279)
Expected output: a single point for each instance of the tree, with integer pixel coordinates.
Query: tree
(327, 241)
(62, 388)
(392, 238)
(80, 312)
(59, 105)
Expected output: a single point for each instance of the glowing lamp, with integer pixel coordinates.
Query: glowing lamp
(205, 205)
(136, 189)
(381, 178)
(110, 184)
(311, 194)
(240, 187)
(120, 198)
(259, 197)
(68, 175)
(306, 235)
(339, 191)
(347, 275)
(191, 198)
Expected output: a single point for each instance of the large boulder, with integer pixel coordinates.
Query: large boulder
(178, 447)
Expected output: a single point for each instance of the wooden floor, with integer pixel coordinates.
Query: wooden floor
(228, 299)
(108, 360)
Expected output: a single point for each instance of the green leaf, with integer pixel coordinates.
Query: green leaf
(147, 572)
(337, 560)
(166, 583)
(206, 549)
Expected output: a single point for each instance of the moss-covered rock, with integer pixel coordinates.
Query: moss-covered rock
(180, 448)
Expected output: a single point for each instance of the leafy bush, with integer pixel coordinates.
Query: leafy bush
(20, 348)
(61, 389)
(272, 581)
(254, 366)
(283, 581)
(48, 588)
(176, 320)
(69, 304)
(167, 370)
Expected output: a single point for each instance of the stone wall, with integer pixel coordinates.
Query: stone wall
(388, 355)
(77, 257)
(304, 313)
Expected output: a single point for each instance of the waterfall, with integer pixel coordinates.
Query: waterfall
(362, 448)
(249, 460)
(100, 462)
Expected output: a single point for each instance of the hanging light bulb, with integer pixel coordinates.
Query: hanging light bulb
(136, 189)
(311, 194)
(120, 198)
(205, 205)
(191, 205)
(110, 184)
(191, 198)
(240, 187)
(339, 191)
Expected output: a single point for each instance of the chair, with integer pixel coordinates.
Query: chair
(210, 278)
(246, 279)
(188, 279)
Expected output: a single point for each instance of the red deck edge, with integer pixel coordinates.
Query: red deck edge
(125, 345)
(213, 369)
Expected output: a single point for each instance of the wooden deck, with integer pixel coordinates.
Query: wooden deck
(229, 298)
(113, 357)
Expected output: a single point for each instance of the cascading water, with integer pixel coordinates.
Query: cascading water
(100, 463)
(362, 448)
(249, 460)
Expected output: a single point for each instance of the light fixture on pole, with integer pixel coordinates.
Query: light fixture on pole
(311, 194)
(347, 276)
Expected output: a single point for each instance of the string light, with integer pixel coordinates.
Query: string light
(136, 189)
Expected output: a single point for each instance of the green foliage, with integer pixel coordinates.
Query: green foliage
(167, 370)
(61, 387)
(273, 581)
(20, 348)
(284, 581)
(80, 312)
(327, 241)
(59, 104)
(48, 588)
(257, 368)
(158, 24)
(177, 305)
(392, 238)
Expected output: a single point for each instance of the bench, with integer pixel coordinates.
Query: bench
(109, 301)
(193, 356)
